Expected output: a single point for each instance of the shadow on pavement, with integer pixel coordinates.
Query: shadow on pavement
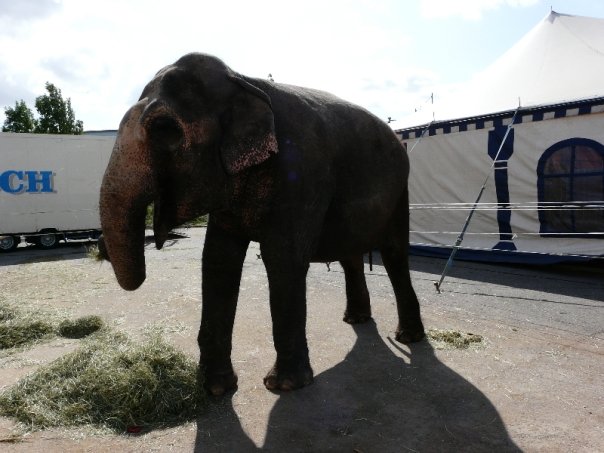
(372, 401)
(582, 280)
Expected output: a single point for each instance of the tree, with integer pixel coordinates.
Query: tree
(56, 114)
(18, 119)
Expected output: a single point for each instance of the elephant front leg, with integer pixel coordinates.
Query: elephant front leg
(222, 263)
(287, 285)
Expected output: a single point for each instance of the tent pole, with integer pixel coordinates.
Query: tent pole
(459, 240)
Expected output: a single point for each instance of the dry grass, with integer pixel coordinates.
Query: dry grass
(109, 382)
(453, 339)
(81, 327)
(22, 327)
(93, 253)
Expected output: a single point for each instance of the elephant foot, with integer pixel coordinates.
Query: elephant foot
(279, 378)
(219, 383)
(356, 318)
(410, 335)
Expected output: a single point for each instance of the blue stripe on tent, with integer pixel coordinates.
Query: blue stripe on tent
(505, 150)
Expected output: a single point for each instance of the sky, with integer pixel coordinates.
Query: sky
(388, 56)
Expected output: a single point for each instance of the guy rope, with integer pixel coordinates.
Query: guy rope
(459, 240)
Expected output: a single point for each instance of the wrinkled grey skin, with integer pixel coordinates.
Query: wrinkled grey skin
(307, 175)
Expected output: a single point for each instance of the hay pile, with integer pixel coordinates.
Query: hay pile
(81, 327)
(109, 382)
(20, 327)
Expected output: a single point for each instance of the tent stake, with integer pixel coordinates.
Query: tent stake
(459, 240)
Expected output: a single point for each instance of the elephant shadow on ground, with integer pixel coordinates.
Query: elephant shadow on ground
(372, 401)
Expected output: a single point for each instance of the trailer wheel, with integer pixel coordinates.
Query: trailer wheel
(47, 241)
(9, 243)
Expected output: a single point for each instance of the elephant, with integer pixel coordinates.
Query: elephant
(307, 175)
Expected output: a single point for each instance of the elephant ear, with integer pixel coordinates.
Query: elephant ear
(249, 138)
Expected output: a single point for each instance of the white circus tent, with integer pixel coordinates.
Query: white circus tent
(529, 131)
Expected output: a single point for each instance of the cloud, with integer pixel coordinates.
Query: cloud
(101, 57)
(16, 17)
(10, 92)
(467, 9)
(24, 10)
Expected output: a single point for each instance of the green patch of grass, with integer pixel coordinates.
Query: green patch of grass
(109, 382)
(81, 327)
(453, 339)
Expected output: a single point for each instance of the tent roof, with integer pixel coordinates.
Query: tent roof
(560, 60)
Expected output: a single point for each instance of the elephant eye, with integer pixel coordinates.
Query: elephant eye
(165, 132)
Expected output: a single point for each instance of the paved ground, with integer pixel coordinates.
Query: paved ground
(534, 385)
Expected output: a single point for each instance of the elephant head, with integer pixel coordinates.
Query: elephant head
(196, 126)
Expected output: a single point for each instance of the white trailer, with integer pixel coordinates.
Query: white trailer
(49, 187)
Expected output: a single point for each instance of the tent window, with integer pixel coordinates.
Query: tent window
(571, 188)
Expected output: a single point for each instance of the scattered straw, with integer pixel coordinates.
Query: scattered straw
(93, 253)
(7, 312)
(109, 382)
(453, 339)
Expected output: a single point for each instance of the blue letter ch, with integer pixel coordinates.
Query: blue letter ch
(18, 181)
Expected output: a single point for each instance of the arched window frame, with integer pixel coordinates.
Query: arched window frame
(545, 228)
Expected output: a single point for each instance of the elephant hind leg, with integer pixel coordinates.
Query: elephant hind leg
(358, 307)
(410, 327)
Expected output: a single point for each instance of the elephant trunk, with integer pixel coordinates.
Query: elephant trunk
(126, 192)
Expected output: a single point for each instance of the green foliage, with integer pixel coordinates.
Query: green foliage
(109, 382)
(200, 221)
(56, 116)
(18, 119)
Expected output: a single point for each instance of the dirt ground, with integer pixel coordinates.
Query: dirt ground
(534, 384)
